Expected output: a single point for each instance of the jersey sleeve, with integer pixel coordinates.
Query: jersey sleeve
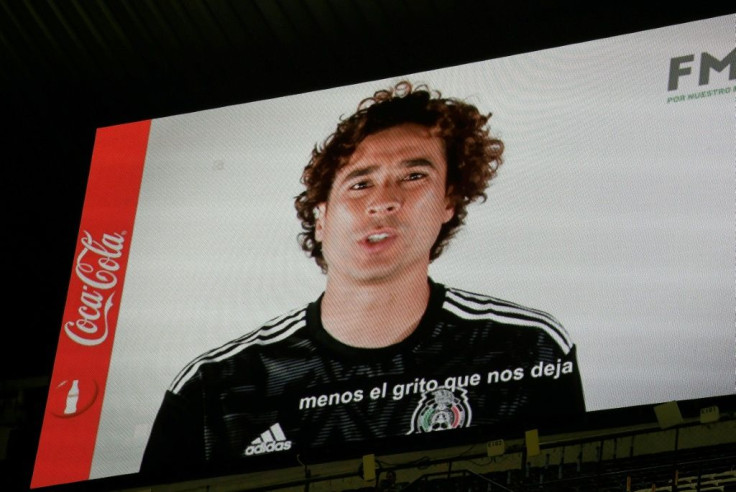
(557, 371)
(560, 398)
(573, 397)
(176, 443)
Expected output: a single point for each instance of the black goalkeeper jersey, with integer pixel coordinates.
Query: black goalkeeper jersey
(475, 367)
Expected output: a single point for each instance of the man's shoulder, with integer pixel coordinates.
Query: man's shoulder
(481, 308)
(273, 334)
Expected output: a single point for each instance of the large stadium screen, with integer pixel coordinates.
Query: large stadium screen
(596, 275)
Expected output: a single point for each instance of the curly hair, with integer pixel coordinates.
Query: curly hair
(473, 155)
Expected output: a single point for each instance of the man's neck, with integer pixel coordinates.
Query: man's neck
(375, 313)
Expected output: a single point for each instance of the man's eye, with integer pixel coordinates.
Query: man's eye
(415, 176)
(360, 185)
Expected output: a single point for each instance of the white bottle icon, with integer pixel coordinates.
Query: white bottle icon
(71, 398)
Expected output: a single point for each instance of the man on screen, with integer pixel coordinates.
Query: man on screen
(386, 351)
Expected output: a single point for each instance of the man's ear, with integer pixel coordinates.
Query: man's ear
(319, 216)
(449, 206)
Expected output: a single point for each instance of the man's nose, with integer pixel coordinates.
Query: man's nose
(385, 199)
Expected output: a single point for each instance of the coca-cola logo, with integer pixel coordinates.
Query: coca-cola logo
(96, 266)
(72, 397)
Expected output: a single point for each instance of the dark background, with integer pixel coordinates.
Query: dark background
(68, 67)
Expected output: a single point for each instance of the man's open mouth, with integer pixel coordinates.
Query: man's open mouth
(374, 238)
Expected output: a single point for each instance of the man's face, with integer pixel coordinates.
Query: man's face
(386, 206)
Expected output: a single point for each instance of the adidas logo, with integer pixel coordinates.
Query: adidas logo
(271, 441)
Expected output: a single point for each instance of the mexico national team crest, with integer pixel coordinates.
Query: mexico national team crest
(441, 409)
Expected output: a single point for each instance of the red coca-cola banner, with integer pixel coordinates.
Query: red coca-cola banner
(80, 371)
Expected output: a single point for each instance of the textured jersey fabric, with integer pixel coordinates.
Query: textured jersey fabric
(474, 365)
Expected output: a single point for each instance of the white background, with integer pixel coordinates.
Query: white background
(614, 211)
